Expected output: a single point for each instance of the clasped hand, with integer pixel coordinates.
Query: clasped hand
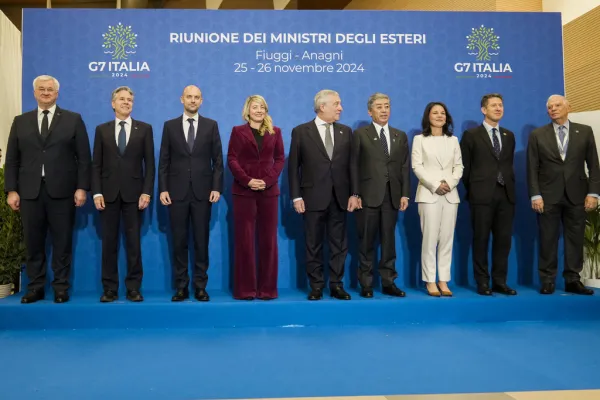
(257, 184)
(443, 188)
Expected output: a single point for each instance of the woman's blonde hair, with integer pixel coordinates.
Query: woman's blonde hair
(267, 124)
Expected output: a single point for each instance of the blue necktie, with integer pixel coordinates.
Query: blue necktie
(122, 141)
(561, 136)
(190, 135)
(496, 144)
(384, 142)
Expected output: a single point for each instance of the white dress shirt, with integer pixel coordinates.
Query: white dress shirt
(128, 123)
(322, 128)
(52, 111)
(386, 132)
(489, 128)
(186, 125)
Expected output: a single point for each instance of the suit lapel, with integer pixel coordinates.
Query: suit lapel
(551, 139)
(55, 120)
(394, 142)
(135, 131)
(183, 134)
(376, 140)
(485, 137)
(504, 141)
(338, 136)
(313, 133)
(572, 139)
(35, 126)
(110, 136)
(249, 135)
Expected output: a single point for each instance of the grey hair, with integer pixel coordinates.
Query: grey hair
(120, 88)
(560, 96)
(319, 98)
(46, 78)
(377, 96)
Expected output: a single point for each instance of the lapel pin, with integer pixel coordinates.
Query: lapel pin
(504, 133)
(374, 138)
(393, 140)
(576, 131)
(135, 127)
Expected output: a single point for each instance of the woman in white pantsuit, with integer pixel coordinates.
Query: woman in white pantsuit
(437, 163)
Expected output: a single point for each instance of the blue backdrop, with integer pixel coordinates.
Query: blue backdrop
(446, 56)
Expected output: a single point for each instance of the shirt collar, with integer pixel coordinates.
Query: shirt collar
(320, 122)
(195, 117)
(127, 121)
(51, 109)
(378, 127)
(555, 126)
(489, 128)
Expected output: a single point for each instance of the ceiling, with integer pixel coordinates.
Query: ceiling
(13, 8)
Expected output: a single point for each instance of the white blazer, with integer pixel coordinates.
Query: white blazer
(433, 164)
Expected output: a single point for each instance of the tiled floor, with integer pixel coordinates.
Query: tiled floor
(561, 395)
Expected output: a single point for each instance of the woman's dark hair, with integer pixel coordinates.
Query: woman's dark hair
(426, 125)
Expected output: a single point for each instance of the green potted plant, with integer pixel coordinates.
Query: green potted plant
(591, 249)
(12, 246)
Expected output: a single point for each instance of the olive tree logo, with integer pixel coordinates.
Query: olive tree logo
(481, 41)
(120, 41)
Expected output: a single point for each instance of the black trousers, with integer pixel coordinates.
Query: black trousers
(573, 220)
(332, 219)
(181, 213)
(495, 218)
(38, 216)
(372, 221)
(132, 219)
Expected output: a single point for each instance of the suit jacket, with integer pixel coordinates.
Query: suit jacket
(371, 168)
(312, 175)
(178, 166)
(433, 163)
(246, 162)
(130, 174)
(482, 166)
(65, 155)
(551, 177)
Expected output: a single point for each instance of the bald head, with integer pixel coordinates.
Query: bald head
(558, 109)
(191, 100)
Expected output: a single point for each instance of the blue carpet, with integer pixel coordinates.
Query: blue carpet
(292, 309)
(319, 361)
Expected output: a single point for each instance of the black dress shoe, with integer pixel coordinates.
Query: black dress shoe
(201, 295)
(504, 289)
(339, 293)
(547, 288)
(393, 291)
(108, 296)
(578, 288)
(135, 296)
(181, 295)
(366, 292)
(32, 296)
(484, 289)
(315, 294)
(61, 297)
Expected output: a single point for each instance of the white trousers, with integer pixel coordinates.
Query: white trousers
(438, 221)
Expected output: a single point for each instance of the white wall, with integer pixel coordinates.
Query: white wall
(10, 78)
(569, 9)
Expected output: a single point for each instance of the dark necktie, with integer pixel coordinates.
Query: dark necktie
(44, 131)
(190, 135)
(122, 140)
(328, 141)
(496, 144)
(384, 143)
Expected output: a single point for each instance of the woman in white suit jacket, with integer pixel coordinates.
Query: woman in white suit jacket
(437, 163)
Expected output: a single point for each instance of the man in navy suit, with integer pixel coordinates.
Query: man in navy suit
(122, 184)
(47, 175)
(190, 180)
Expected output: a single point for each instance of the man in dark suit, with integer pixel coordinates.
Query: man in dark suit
(47, 174)
(380, 171)
(319, 178)
(560, 190)
(122, 183)
(190, 180)
(488, 175)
